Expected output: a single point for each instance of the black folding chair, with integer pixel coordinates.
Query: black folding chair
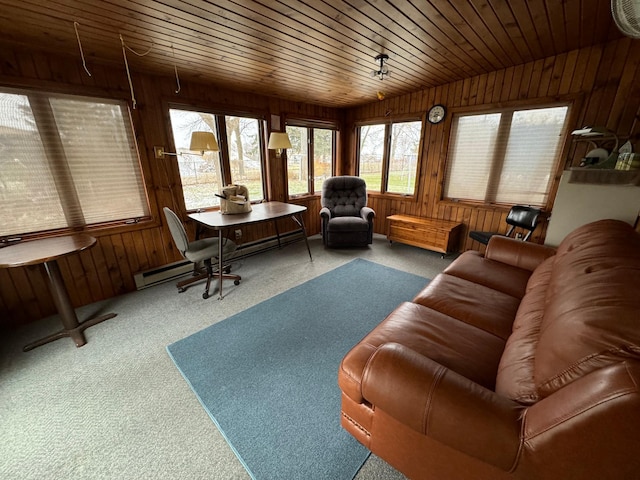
(520, 216)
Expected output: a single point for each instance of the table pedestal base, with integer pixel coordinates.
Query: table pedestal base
(71, 326)
(75, 333)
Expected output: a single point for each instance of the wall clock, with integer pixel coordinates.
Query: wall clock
(436, 114)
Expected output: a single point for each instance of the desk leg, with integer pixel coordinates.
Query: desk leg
(300, 222)
(220, 262)
(275, 224)
(72, 328)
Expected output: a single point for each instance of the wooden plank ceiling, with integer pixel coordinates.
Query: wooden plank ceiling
(316, 51)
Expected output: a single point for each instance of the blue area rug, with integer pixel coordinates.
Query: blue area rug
(267, 376)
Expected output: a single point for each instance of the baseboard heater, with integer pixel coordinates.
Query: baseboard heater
(171, 271)
(265, 244)
(162, 274)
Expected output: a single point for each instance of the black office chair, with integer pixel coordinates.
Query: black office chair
(520, 216)
(203, 250)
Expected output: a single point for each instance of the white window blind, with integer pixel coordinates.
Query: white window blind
(66, 162)
(468, 168)
(505, 157)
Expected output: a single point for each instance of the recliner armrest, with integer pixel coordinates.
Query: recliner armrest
(436, 401)
(517, 253)
(367, 214)
(325, 213)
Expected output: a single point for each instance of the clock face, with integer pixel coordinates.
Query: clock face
(436, 114)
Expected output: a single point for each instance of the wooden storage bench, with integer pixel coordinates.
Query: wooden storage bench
(438, 235)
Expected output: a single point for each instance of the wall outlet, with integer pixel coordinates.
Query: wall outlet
(238, 234)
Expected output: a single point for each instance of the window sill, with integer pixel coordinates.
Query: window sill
(393, 196)
(474, 205)
(303, 197)
(97, 231)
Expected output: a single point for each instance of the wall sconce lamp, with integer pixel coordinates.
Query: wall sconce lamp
(200, 142)
(279, 141)
(203, 142)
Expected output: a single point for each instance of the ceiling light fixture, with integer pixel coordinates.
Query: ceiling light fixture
(383, 70)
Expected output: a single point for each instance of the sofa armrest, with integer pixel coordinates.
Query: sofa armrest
(435, 401)
(367, 214)
(517, 253)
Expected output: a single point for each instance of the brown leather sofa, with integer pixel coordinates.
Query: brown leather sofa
(523, 363)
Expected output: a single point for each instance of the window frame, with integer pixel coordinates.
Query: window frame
(311, 126)
(223, 144)
(97, 228)
(573, 104)
(388, 124)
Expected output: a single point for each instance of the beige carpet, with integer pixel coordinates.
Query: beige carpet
(117, 408)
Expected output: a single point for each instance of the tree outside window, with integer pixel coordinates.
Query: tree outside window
(240, 159)
(388, 156)
(371, 155)
(310, 159)
(245, 154)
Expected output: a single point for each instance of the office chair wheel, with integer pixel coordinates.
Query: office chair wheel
(205, 295)
(227, 270)
(182, 289)
(236, 282)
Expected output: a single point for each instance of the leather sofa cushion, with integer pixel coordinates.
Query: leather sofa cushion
(591, 317)
(477, 305)
(515, 378)
(472, 266)
(441, 338)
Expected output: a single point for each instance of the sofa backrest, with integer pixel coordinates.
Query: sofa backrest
(581, 313)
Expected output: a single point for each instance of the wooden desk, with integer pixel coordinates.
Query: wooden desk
(47, 251)
(261, 212)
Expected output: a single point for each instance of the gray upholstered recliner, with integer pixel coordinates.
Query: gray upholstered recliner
(346, 219)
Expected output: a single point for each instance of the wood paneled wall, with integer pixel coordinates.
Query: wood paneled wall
(604, 80)
(108, 268)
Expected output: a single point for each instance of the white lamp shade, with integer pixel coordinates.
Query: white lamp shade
(278, 140)
(203, 142)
